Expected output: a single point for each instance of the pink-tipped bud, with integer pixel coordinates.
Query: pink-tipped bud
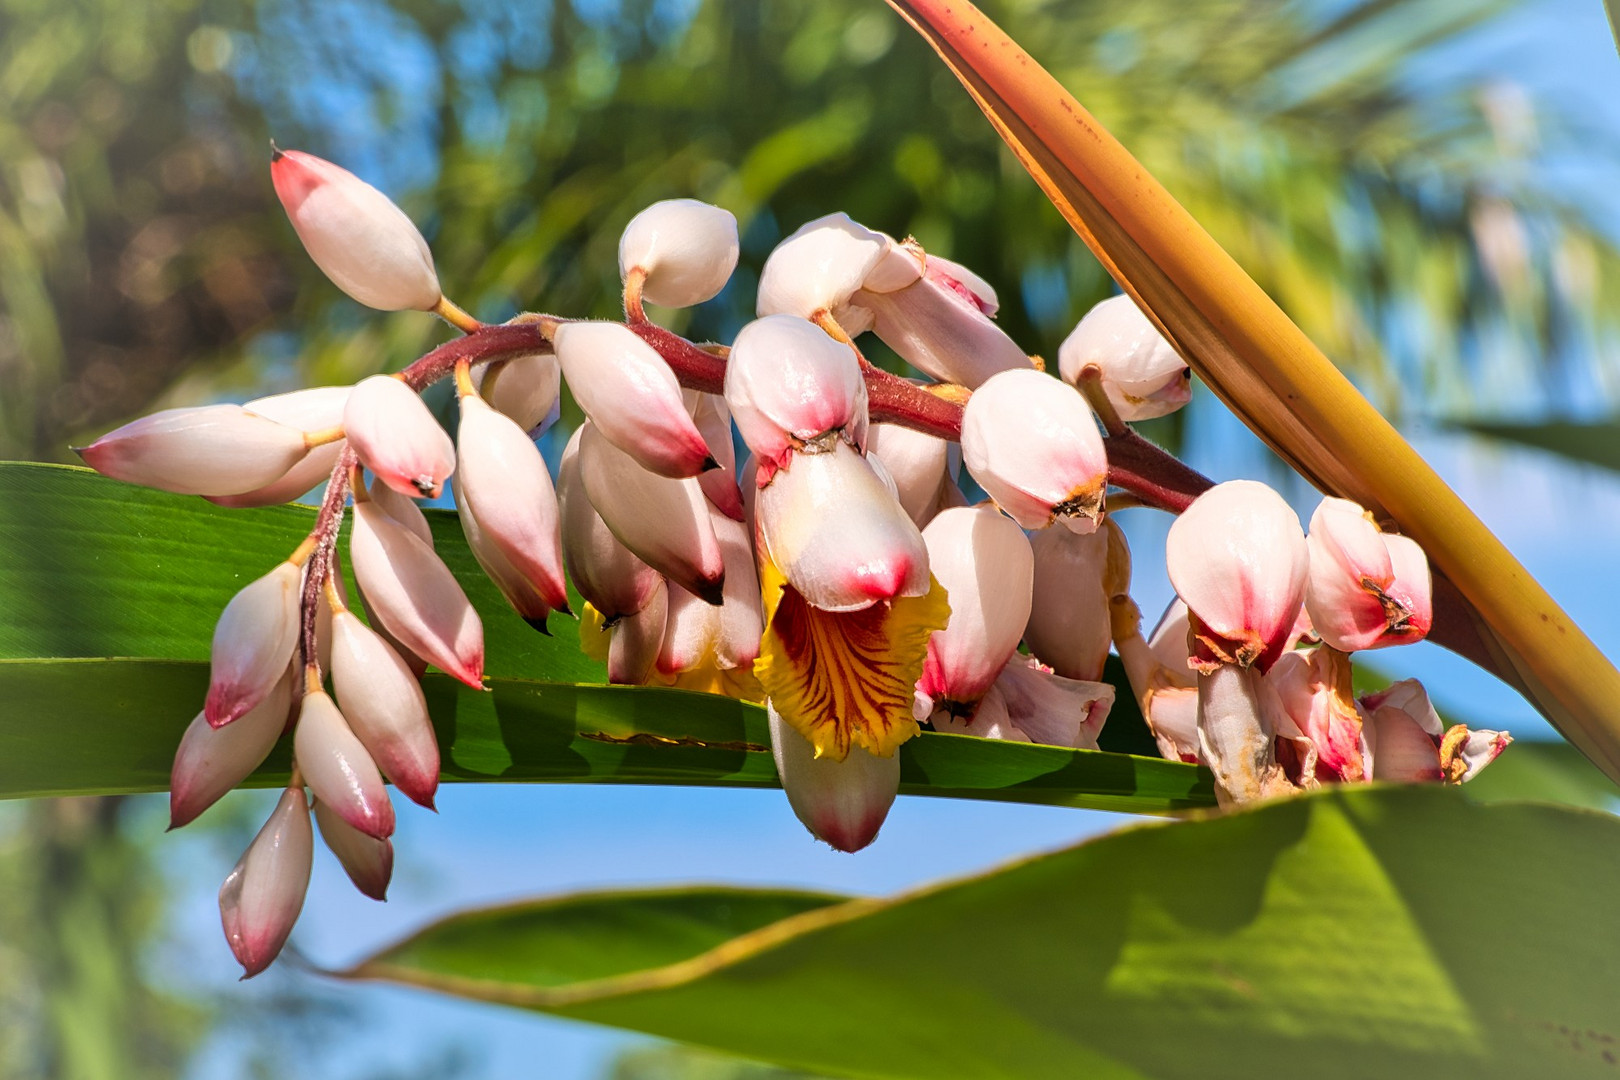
(940, 323)
(663, 522)
(524, 388)
(983, 560)
(355, 234)
(637, 639)
(397, 437)
(727, 636)
(687, 249)
(607, 575)
(1367, 588)
(713, 419)
(842, 803)
(1068, 625)
(1032, 443)
(1142, 375)
(315, 409)
(1238, 557)
(838, 534)
(211, 761)
(414, 595)
(338, 769)
(787, 383)
(385, 708)
(506, 499)
(918, 463)
(819, 268)
(368, 861)
(262, 896)
(632, 397)
(214, 450)
(402, 508)
(253, 644)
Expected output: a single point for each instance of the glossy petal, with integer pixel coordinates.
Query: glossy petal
(727, 636)
(211, 761)
(687, 248)
(1032, 443)
(1313, 688)
(984, 562)
(397, 437)
(1141, 374)
(385, 708)
(637, 639)
(1354, 595)
(253, 644)
(369, 862)
(262, 896)
(712, 416)
(842, 802)
(940, 326)
(214, 450)
(414, 596)
(918, 463)
(524, 388)
(1047, 708)
(1069, 628)
(787, 383)
(837, 533)
(819, 267)
(632, 396)
(355, 234)
(610, 578)
(315, 409)
(1238, 557)
(338, 769)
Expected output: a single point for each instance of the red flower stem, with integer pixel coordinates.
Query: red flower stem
(324, 560)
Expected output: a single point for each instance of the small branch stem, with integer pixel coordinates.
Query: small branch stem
(456, 317)
(328, 521)
(633, 281)
(1091, 386)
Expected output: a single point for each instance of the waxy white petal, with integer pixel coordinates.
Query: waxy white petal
(253, 644)
(610, 578)
(637, 638)
(687, 248)
(414, 595)
(1238, 557)
(214, 450)
(385, 708)
(315, 409)
(337, 768)
(837, 534)
(632, 396)
(819, 267)
(712, 416)
(402, 508)
(727, 636)
(1047, 708)
(842, 803)
(211, 761)
(524, 387)
(368, 861)
(917, 462)
(1356, 596)
(1142, 375)
(397, 437)
(940, 325)
(663, 522)
(787, 382)
(261, 897)
(983, 560)
(1032, 443)
(355, 234)
(1069, 628)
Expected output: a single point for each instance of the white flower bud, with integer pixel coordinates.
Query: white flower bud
(610, 578)
(687, 249)
(253, 644)
(1142, 376)
(1367, 588)
(355, 234)
(214, 450)
(315, 409)
(402, 508)
(1069, 627)
(385, 708)
(524, 387)
(983, 560)
(369, 862)
(818, 268)
(712, 416)
(338, 769)
(842, 803)
(918, 463)
(262, 896)
(728, 635)
(212, 761)
(397, 437)
(637, 638)
(787, 382)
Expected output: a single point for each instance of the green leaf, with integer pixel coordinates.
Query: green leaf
(1370, 932)
(95, 569)
(1593, 444)
(1545, 772)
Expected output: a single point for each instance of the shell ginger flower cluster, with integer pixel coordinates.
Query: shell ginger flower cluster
(838, 573)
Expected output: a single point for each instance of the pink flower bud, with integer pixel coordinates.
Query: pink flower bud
(687, 248)
(1068, 625)
(983, 560)
(262, 896)
(211, 761)
(727, 636)
(397, 437)
(315, 409)
(368, 861)
(713, 419)
(506, 500)
(385, 708)
(338, 769)
(632, 397)
(837, 534)
(664, 522)
(1367, 588)
(637, 639)
(787, 383)
(525, 388)
(607, 575)
(1032, 443)
(818, 269)
(215, 450)
(414, 596)
(918, 463)
(941, 324)
(842, 803)
(253, 644)
(1237, 556)
(1313, 689)
(402, 508)
(355, 234)
(1142, 375)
